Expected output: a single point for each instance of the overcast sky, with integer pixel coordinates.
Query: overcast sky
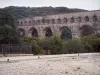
(83, 4)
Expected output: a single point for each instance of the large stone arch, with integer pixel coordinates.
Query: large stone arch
(48, 32)
(21, 32)
(33, 32)
(66, 33)
(86, 30)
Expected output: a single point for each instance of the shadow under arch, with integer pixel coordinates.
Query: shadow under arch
(86, 30)
(21, 32)
(34, 32)
(48, 32)
(66, 33)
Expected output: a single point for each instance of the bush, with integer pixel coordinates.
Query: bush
(93, 42)
(56, 43)
(53, 44)
(73, 46)
(45, 44)
(36, 49)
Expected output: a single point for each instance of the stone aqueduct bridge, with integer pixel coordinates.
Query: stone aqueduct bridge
(50, 25)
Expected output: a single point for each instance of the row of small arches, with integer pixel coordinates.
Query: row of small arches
(54, 21)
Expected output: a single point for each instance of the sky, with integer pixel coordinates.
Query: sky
(82, 4)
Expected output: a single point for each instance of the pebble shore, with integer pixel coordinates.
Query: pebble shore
(65, 64)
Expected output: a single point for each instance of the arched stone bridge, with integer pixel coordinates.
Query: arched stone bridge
(65, 25)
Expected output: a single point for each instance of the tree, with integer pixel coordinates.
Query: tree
(56, 43)
(73, 46)
(45, 44)
(23, 12)
(36, 49)
(92, 41)
(8, 32)
(52, 44)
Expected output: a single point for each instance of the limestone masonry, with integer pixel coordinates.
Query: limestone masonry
(50, 25)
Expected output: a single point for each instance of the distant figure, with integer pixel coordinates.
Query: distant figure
(7, 60)
(78, 54)
(38, 57)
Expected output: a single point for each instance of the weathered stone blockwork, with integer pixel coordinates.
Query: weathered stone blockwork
(51, 24)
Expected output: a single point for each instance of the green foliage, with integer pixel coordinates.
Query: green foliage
(8, 33)
(56, 43)
(23, 12)
(45, 43)
(53, 44)
(6, 17)
(92, 41)
(35, 47)
(73, 46)
(57, 46)
(88, 47)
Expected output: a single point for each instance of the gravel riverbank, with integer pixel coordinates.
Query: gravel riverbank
(66, 64)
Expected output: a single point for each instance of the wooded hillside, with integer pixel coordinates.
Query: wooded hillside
(22, 12)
